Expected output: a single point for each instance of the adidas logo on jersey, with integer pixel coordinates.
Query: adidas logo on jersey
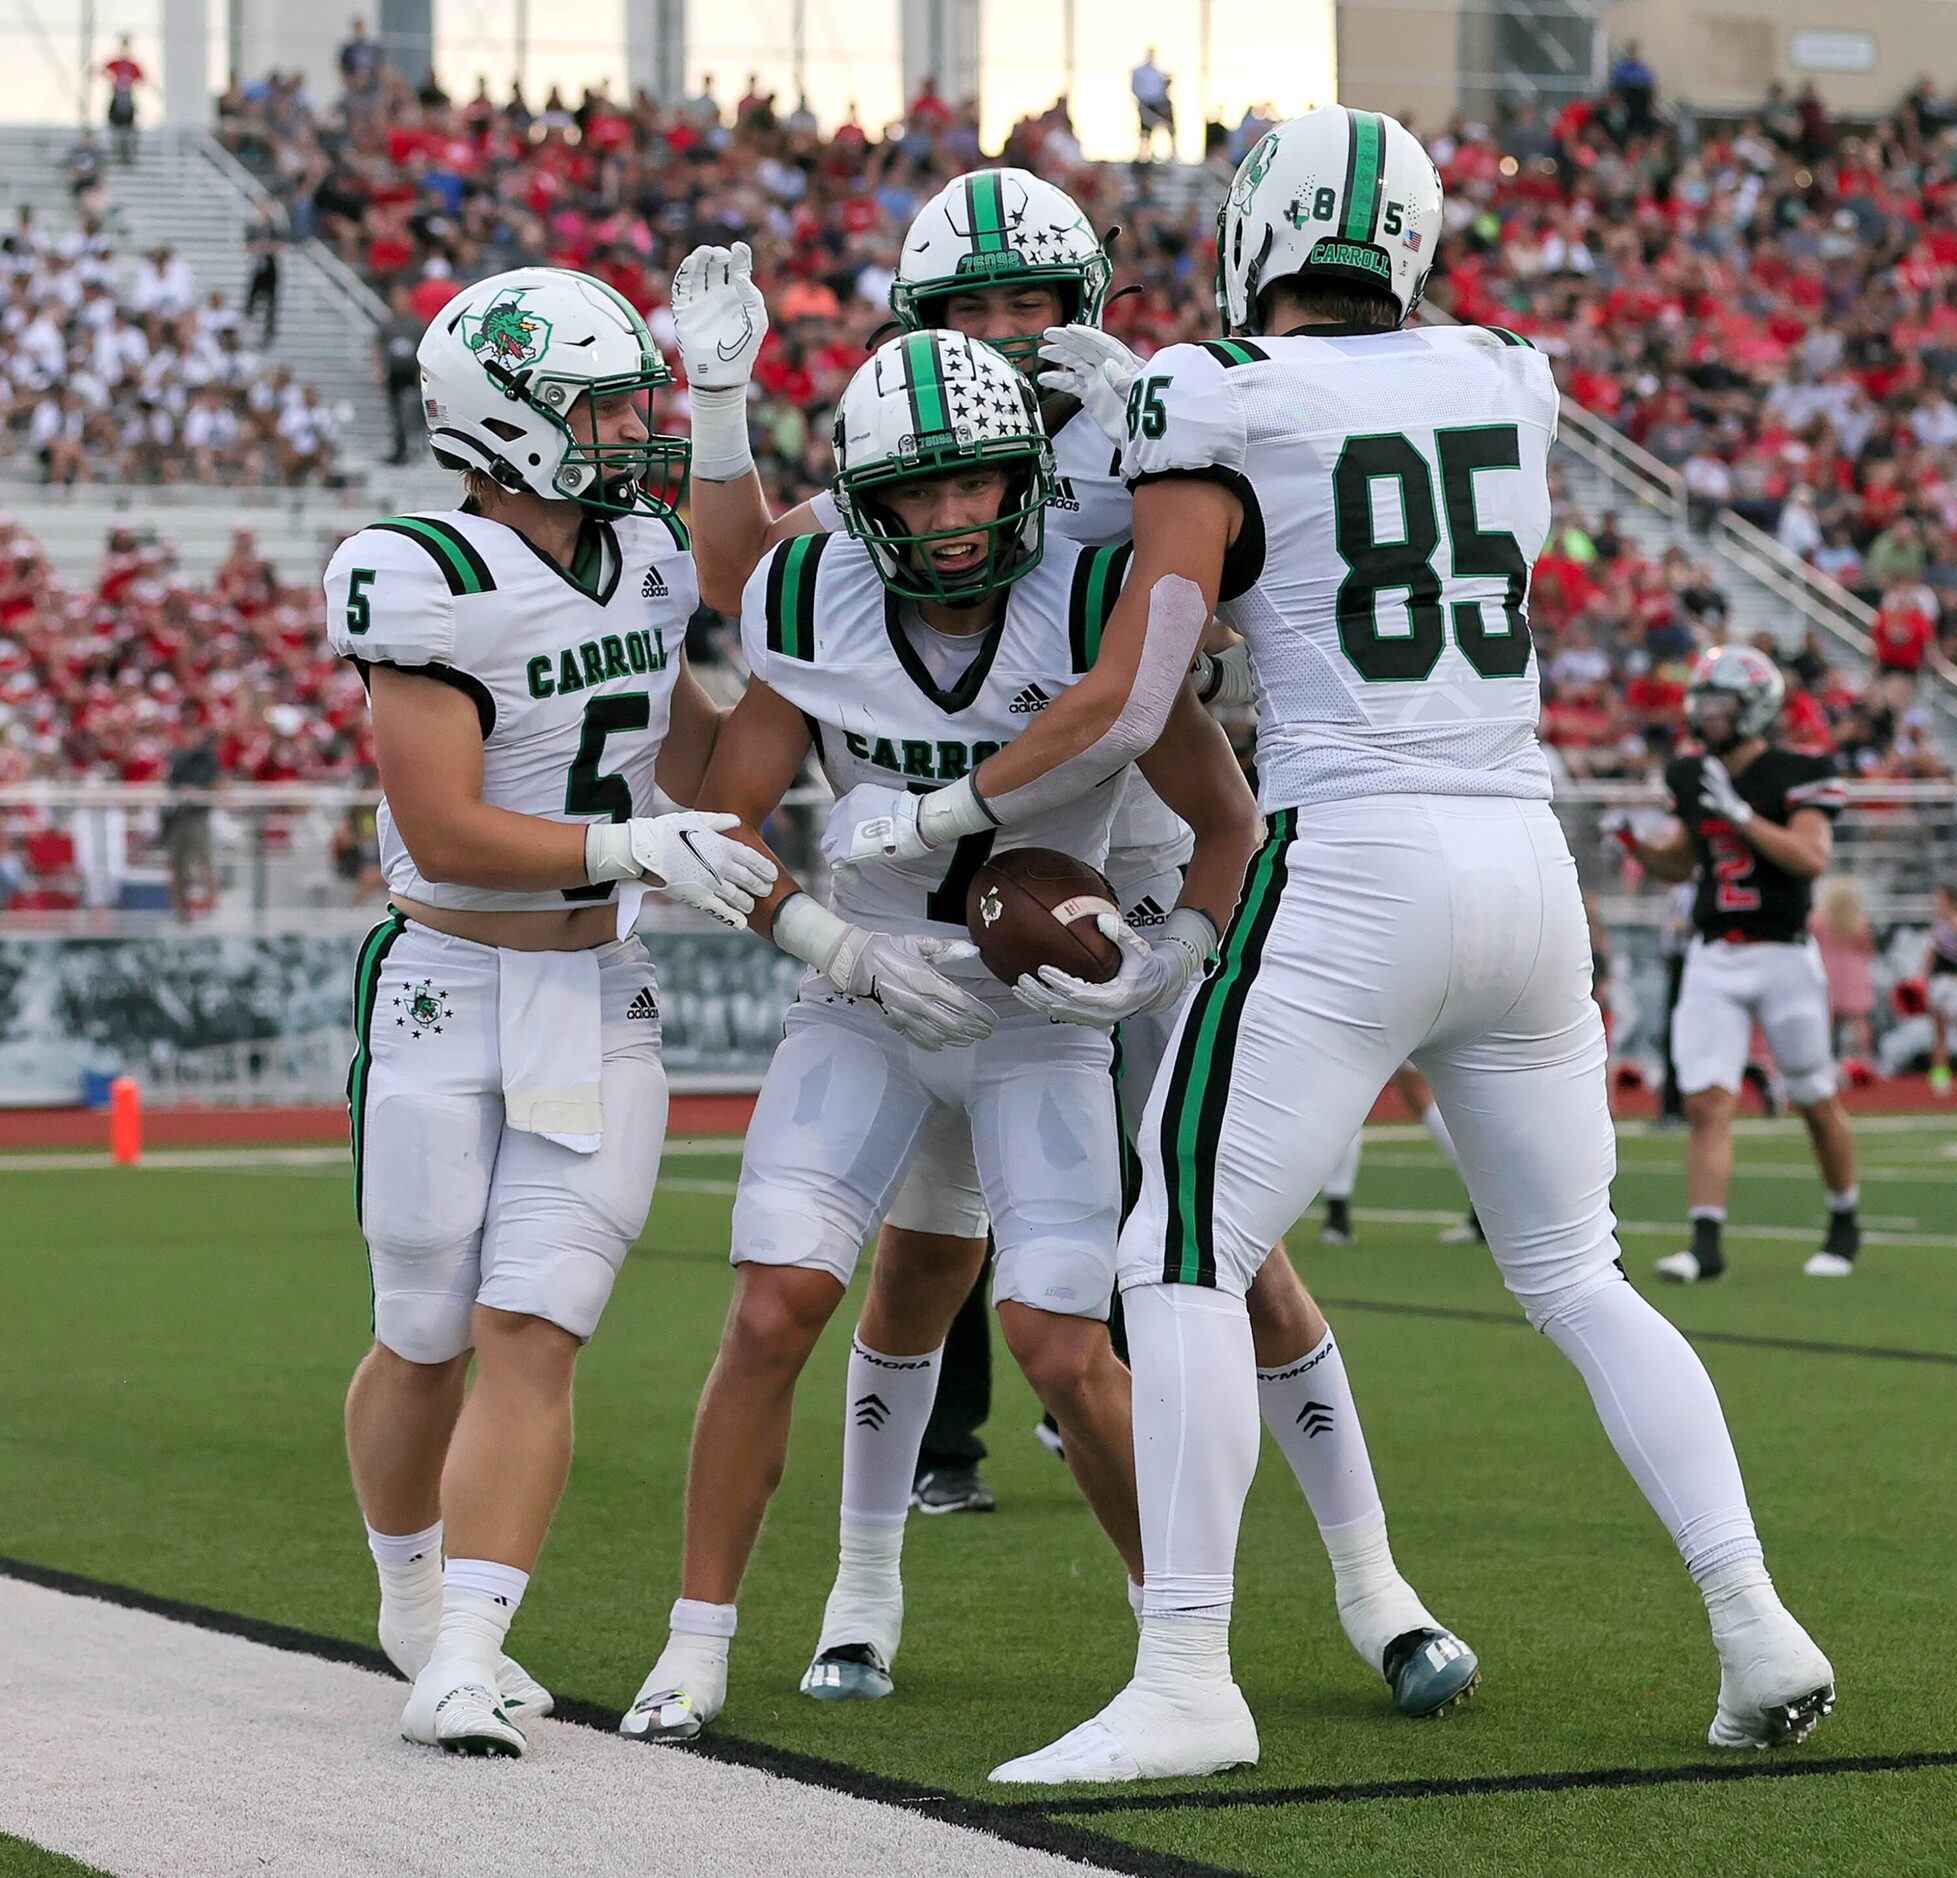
(1063, 496)
(1030, 700)
(654, 588)
(1147, 911)
(643, 1004)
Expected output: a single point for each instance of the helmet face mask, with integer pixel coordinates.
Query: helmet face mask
(926, 406)
(1000, 228)
(512, 379)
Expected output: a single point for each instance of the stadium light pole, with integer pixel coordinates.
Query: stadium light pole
(1067, 51)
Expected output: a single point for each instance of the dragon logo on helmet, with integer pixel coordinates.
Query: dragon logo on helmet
(507, 334)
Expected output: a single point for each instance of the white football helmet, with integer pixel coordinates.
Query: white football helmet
(989, 228)
(1336, 195)
(1735, 692)
(502, 368)
(920, 406)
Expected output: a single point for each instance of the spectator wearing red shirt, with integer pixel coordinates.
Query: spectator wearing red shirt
(1902, 636)
(124, 75)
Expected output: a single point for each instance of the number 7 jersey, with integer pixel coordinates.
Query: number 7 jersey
(1395, 496)
(571, 672)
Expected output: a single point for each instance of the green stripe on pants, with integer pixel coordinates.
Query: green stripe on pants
(1192, 1118)
(366, 988)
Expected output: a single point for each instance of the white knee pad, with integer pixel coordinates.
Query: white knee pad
(424, 1326)
(1812, 1086)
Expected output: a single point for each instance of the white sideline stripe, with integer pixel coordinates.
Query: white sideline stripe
(1667, 1229)
(156, 1750)
(1881, 1170)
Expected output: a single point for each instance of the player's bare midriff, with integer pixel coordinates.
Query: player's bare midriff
(575, 929)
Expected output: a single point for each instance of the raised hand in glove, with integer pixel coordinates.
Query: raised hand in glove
(719, 316)
(1084, 362)
(1721, 797)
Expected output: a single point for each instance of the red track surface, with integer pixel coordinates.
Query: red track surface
(691, 1115)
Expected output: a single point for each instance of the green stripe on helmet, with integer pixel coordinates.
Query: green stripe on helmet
(924, 379)
(1366, 175)
(987, 202)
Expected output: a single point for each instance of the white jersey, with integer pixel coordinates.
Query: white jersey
(1395, 492)
(572, 679)
(1091, 505)
(820, 628)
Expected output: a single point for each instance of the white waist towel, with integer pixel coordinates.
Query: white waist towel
(550, 1023)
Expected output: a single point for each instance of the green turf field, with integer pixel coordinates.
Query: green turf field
(178, 1339)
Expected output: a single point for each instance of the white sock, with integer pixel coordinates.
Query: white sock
(866, 1603)
(409, 1565)
(1174, 1652)
(1308, 1407)
(1737, 1594)
(1344, 1176)
(1662, 1415)
(1375, 1603)
(1844, 1201)
(1435, 1124)
(888, 1406)
(695, 1656)
(1135, 1599)
(479, 1598)
(1195, 1443)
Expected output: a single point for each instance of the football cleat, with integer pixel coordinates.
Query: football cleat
(1143, 1735)
(664, 1715)
(1429, 1672)
(451, 1708)
(952, 1490)
(1774, 1684)
(1829, 1265)
(850, 1672)
(409, 1646)
(1337, 1227)
(1047, 1433)
(1683, 1268)
(1465, 1231)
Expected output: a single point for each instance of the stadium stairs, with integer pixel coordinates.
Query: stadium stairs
(186, 190)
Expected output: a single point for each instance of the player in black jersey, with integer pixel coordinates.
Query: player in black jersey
(1755, 825)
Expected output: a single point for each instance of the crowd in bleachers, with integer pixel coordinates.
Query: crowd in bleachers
(132, 372)
(1771, 309)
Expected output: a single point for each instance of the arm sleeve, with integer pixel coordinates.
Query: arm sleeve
(1184, 418)
(1682, 785)
(388, 603)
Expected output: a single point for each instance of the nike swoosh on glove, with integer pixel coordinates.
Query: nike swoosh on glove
(1095, 367)
(688, 855)
(1152, 977)
(719, 317)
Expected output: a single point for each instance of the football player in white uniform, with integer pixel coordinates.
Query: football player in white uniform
(1366, 502)
(999, 255)
(525, 658)
(900, 649)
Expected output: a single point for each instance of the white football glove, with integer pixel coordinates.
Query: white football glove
(1093, 366)
(1153, 976)
(896, 973)
(873, 822)
(688, 855)
(719, 316)
(1720, 796)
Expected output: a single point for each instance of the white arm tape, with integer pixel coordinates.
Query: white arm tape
(1223, 680)
(1177, 614)
(809, 932)
(721, 450)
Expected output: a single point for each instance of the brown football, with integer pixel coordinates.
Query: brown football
(1031, 907)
